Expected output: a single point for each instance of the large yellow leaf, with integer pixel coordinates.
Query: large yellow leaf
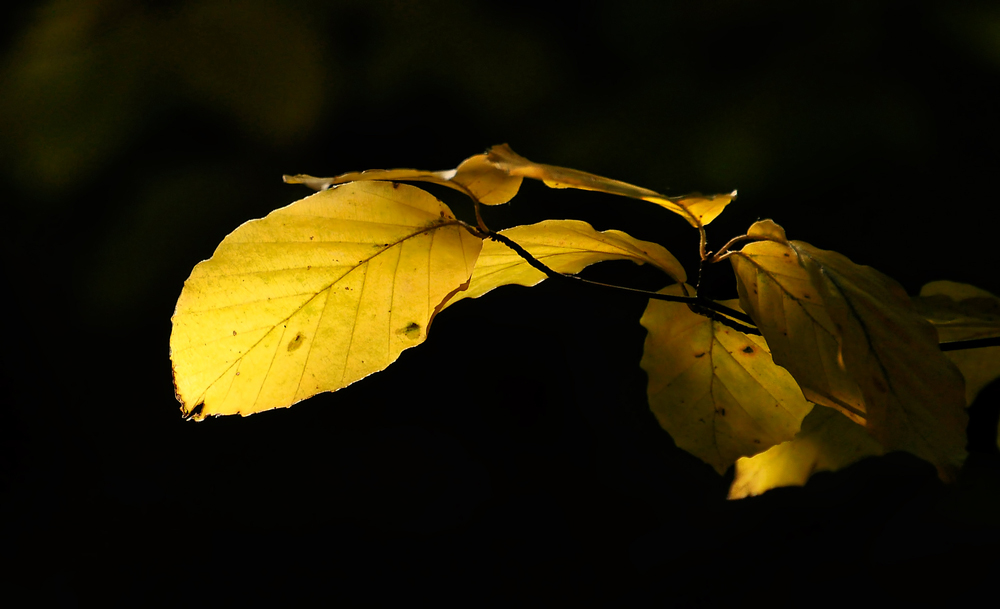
(914, 396)
(565, 246)
(696, 209)
(777, 293)
(315, 296)
(714, 389)
(475, 177)
(827, 441)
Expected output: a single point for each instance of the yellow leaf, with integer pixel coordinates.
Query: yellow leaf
(777, 293)
(960, 311)
(696, 209)
(315, 296)
(914, 396)
(716, 390)
(475, 177)
(827, 441)
(565, 246)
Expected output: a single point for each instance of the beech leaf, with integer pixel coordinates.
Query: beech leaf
(715, 390)
(698, 210)
(565, 246)
(475, 177)
(828, 441)
(315, 296)
(777, 293)
(914, 396)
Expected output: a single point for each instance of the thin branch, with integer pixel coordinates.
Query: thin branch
(973, 343)
(702, 306)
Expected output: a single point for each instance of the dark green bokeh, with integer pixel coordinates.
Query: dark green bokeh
(135, 136)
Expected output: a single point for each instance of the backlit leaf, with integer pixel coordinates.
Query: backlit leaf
(475, 177)
(714, 389)
(565, 246)
(315, 296)
(696, 209)
(827, 441)
(777, 292)
(914, 396)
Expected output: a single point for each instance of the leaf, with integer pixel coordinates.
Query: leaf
(315, 296)
(777, 293)
(716, 390)
(565, 246)
(828, 441)
(475, 177)
(696, 209)
(914, 396)
(960, 311)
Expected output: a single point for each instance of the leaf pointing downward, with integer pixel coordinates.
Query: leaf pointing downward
(565, 246)
(315, 296)
(716, 390)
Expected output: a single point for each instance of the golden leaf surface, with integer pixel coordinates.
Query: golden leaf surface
(315, 296)
(777, 293)
(475, 177)
(827, 441)
(565, 246)
(961, 311)
(715, 390)
(698, 210)
(914, 396)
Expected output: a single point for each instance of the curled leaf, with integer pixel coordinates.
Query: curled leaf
(315, 296)
(475, 177)
(565, 246)
(698, 210)
(715, 390)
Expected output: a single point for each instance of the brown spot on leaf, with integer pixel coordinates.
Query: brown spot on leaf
(748, 349)
(234, 332)
(699, 354)
(721, 411)
(411, 331)
(296, 342)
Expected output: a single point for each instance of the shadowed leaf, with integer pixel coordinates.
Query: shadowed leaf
(315, 296)
(716, 390)
(914, 396)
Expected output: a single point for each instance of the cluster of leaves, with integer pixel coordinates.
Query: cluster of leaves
(819, 363)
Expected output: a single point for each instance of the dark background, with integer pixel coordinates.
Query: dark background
(512, 457)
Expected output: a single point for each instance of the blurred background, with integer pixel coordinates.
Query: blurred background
(512, 456)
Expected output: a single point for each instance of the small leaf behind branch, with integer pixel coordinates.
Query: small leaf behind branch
(315, 296)
(960, 311)
(565, 246)
(715, 390)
